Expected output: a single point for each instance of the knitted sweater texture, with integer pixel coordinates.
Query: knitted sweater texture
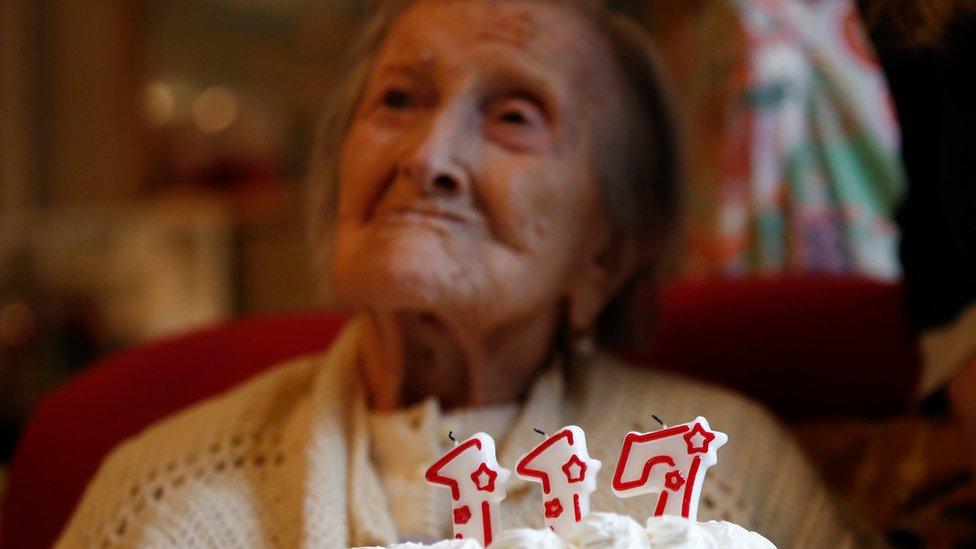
(284, 460)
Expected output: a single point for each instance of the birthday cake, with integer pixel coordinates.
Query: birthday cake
(612, 531)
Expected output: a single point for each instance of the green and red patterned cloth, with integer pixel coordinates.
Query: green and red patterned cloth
(792, 138)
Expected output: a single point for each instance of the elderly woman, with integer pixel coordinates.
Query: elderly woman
(505, 171)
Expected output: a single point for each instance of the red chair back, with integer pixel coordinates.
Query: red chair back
(808, 347)
(74, 427)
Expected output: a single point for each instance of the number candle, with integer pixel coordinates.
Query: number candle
(477, 483)
(567, 474)
(671, 462)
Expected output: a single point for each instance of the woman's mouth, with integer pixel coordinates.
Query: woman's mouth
(425, 214)
(438, 217)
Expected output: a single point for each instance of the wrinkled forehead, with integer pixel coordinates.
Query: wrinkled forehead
(549, 35)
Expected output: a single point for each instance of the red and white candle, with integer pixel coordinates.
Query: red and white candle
(567, 473)
(671, 462)
(477, 483)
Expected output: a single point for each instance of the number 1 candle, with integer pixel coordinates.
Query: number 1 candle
(567, 474)
(477, 483)
(671, 462)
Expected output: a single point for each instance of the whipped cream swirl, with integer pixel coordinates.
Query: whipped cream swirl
(613, 531)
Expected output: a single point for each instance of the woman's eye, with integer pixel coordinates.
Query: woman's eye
(517, 122)
(518, 111)
(514, 117)
(397, 99)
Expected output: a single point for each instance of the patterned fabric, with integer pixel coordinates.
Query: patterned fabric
(794, 144)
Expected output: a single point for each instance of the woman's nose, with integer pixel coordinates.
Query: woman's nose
(434, 163)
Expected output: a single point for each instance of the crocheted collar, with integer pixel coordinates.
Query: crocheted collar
(542, 409)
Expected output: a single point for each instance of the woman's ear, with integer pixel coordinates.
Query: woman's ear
(606, 265)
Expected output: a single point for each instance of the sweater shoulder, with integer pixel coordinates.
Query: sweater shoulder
(629, 394)
(259, 402)
(618, 375)
(197, 450)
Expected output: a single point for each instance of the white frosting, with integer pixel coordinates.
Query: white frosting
(446, 544)
(528, 538)
(728, 534)
(670, 532)
(608, 531)
(613, 531)
(675, 532)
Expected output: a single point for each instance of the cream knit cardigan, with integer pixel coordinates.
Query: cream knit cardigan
(284, 461)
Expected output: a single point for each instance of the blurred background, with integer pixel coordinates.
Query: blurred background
(153, 153)
(152, 161)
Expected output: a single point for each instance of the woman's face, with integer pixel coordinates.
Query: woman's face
(467, 187)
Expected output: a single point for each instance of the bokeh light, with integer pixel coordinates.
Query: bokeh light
(214, 109)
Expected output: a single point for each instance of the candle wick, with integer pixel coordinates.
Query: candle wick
(450, 435)
(540, 431)
(657, 419)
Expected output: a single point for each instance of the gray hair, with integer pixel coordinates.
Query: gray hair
(639, 166)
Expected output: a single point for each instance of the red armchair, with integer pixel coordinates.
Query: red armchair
(807, 347)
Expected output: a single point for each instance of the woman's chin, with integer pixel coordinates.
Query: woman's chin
(404, 282)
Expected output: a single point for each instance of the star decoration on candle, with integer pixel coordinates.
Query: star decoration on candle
(674, 481)
(462, 515)
(484, 478)
(698, 439)
(575, 469)
(554, 508)
(477, 483)
(671, 462)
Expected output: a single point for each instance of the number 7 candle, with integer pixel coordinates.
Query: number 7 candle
(671, 462)
(567, 474)
(477, 483)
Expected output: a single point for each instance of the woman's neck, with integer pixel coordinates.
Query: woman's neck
(408, 357)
